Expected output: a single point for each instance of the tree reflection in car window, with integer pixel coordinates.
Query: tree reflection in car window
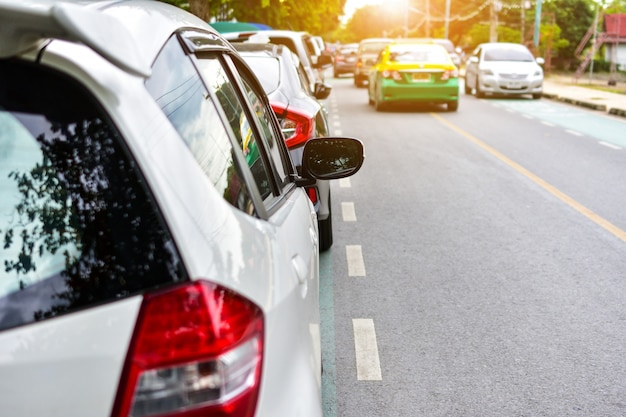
(177, 87)
(77, 224)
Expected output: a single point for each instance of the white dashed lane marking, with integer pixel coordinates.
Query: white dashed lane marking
(610, 145)
(573, 132)
(356, 266)
(366, 349)
(345, 183)
(348, 211)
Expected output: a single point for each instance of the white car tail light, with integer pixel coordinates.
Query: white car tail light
(196, 351)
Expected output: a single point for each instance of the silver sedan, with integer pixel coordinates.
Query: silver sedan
(501, 68)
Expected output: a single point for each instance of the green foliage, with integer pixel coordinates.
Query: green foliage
(315, 16)
(373, 22)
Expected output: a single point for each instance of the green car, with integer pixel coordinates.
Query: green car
(414, 72)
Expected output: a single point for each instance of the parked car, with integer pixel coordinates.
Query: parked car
(367, 54)
(303, 44)
(501, 68)
(344, 60)
(159, 251)
(410, 71)
(299, 113)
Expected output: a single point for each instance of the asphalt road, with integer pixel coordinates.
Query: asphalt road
(479, 262)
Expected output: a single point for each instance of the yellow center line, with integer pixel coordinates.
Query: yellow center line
(602, 222)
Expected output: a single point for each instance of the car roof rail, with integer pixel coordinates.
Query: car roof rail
(31, 22)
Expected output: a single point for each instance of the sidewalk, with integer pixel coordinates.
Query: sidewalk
(558, 88)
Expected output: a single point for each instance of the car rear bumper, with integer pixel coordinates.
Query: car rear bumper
(495, 85)
(427, 93)
(345, 67)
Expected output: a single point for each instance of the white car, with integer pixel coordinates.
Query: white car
(159, 252)
(303, 44)
(501, 68)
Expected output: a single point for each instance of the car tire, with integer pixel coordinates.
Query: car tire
(453, 105)
(326, 229)
(537, 96)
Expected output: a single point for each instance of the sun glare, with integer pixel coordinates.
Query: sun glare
(352, 5)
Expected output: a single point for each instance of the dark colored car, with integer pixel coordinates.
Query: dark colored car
(368, 52)
(344, 61)
(299, 112)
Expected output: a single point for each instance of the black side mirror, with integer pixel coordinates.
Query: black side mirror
(322, 90)
(332, 157)
(323, 61)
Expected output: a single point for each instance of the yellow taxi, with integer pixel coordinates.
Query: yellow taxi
(414, 71)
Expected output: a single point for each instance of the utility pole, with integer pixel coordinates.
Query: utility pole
(447, 31)
(523, 18)
(493, 19)
(428, 18)
(537, 24)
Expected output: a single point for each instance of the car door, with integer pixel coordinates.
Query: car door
(292, 318)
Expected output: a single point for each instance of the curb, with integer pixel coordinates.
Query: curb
(617, 112)
(587, 104)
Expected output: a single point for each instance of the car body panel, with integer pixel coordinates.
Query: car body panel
(78, 353)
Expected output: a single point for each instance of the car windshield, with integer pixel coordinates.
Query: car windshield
(418, 53)
(508, 54)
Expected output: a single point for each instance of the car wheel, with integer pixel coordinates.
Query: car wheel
(467, 88)
(453, 105)
(326, 229)
(537, 96)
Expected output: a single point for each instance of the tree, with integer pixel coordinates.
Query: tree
(315, 16)
(373, 22)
